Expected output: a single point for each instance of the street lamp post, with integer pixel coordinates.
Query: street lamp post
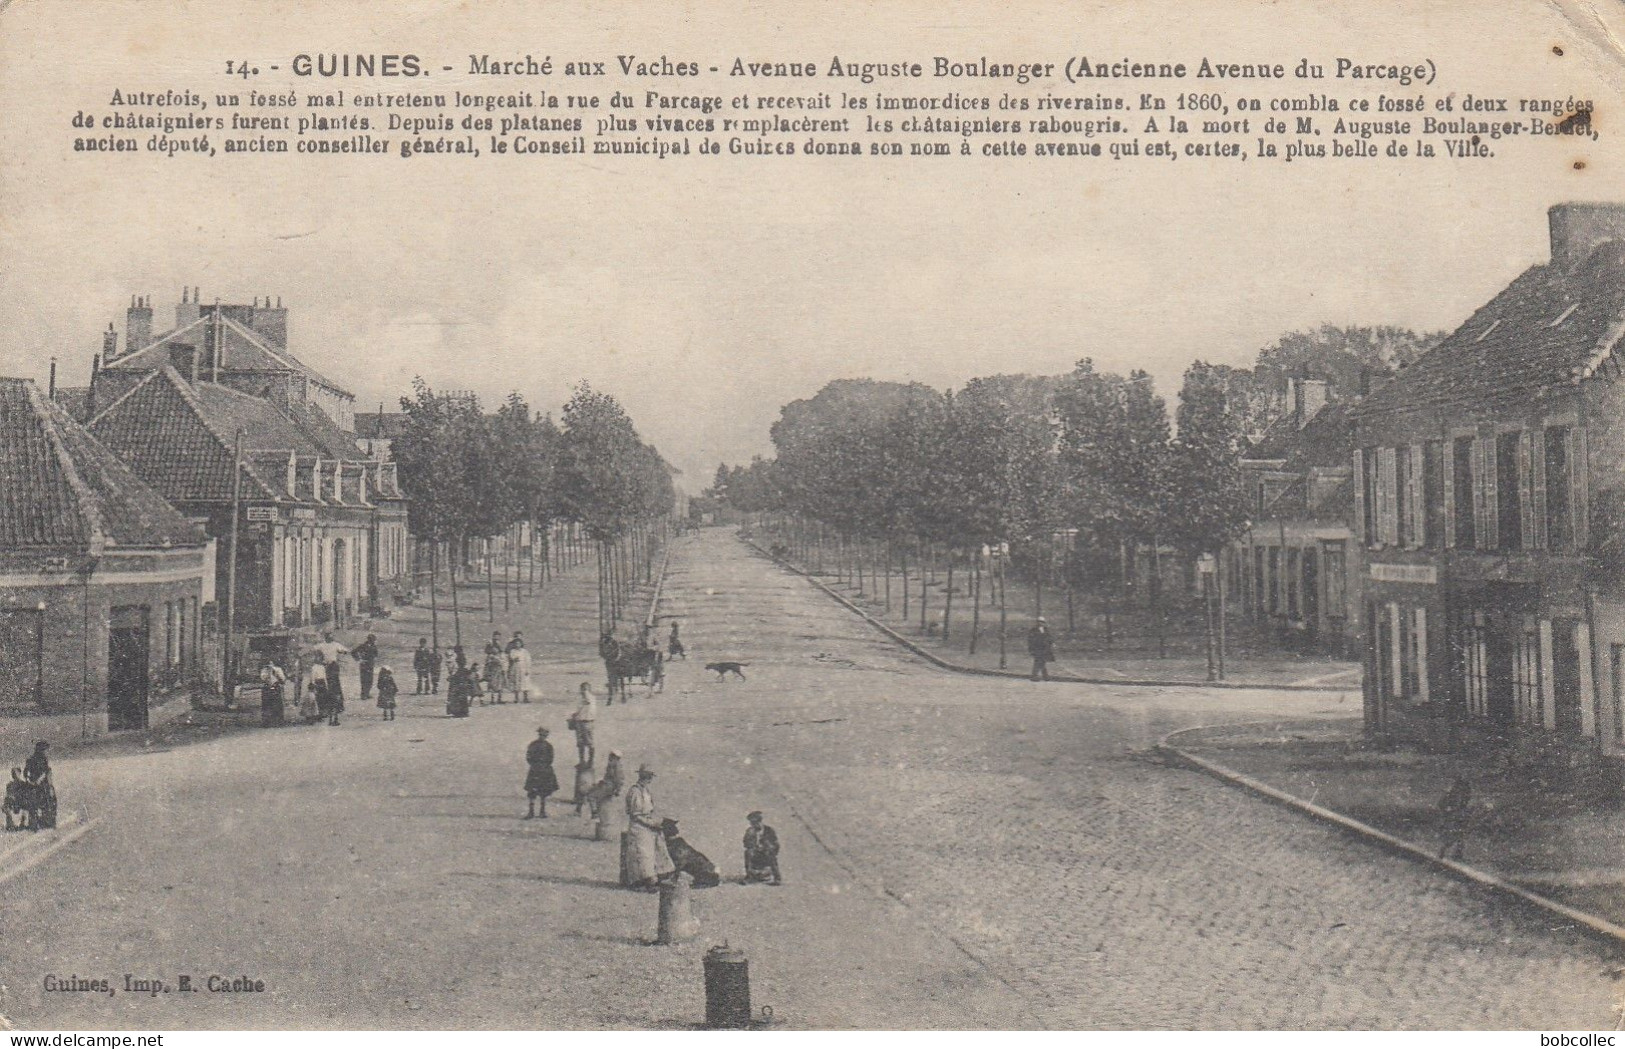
(1208, 566)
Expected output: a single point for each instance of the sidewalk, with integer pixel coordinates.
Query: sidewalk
(1130, 660)
(559, 622)
(1559, 836)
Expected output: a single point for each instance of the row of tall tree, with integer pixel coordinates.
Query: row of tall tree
(1069, 477)
(590, 484)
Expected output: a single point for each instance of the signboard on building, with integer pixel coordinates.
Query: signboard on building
(304, 513)
(261, 513)
(1404, 573)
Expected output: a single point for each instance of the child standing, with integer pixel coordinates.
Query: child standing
(387, 690)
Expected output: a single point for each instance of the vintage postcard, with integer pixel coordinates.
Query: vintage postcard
(685, 515)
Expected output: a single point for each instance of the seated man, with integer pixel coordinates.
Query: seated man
(690, 860)
(761, 852)
(19, 801)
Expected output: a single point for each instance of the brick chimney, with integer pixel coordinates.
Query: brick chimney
(187, 311)
(137, 326)
(271, 322)
(1577, 228)
(109, 343)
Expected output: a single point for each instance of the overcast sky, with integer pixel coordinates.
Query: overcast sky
(706, 295)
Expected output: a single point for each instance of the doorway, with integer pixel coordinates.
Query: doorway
(1500, 643)
(1566, 676)
(127, 682)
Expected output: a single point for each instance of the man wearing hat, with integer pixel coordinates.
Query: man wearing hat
(761, 851)
(647, 860)
(1041, 646)
(540, 780)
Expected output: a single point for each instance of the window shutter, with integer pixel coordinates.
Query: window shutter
(1526, 495)
(1535, 538)
(1413, 497)
(1359, 496)
(1387, 483)
(1579, 480)
(1448, 482)
(1484, 490)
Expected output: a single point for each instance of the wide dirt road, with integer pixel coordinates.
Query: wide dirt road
(960, 852)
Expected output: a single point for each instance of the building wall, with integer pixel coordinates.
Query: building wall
(74, 606)
(1282, 552)
(1481, 584)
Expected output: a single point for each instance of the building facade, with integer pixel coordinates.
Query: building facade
(336, 513)
(103, 585)
(317, 528)
(1297, 568)
(1488, 505)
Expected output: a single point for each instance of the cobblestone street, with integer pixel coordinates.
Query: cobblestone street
(959, 852)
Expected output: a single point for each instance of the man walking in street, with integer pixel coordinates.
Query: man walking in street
(1041, 646)
(423, 663)
(366, 657)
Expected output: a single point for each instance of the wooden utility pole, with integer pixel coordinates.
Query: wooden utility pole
(231, 571)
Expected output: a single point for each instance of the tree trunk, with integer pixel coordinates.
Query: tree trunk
(975, 599)
(490, 581)
(925, 579)
(1156, 599)
(456, 603)
(888, 577)
(1004, 616)
(902, 556)
(948, 597)
(434, 602)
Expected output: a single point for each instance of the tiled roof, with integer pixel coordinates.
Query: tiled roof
(181, 442)
(76, 399)
(181, 437)
(265, 426)
(320, 428)
(1544, 329)
(1327, 439)
(61, 487)
(242, 349)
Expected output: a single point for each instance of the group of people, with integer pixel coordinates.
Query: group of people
(653, 848)
(322, 697)
(505, 669)
(30, 802)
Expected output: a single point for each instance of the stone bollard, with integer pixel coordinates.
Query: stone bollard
(586, 779)
(677, 921)
(727, 988)
(608, 823)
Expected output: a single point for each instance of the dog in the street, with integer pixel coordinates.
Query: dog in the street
(726, 668)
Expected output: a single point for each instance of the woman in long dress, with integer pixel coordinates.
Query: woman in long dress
(647, 860)
(519, 673)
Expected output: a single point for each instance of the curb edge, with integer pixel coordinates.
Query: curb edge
(1594, 924)
(1070, 679)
